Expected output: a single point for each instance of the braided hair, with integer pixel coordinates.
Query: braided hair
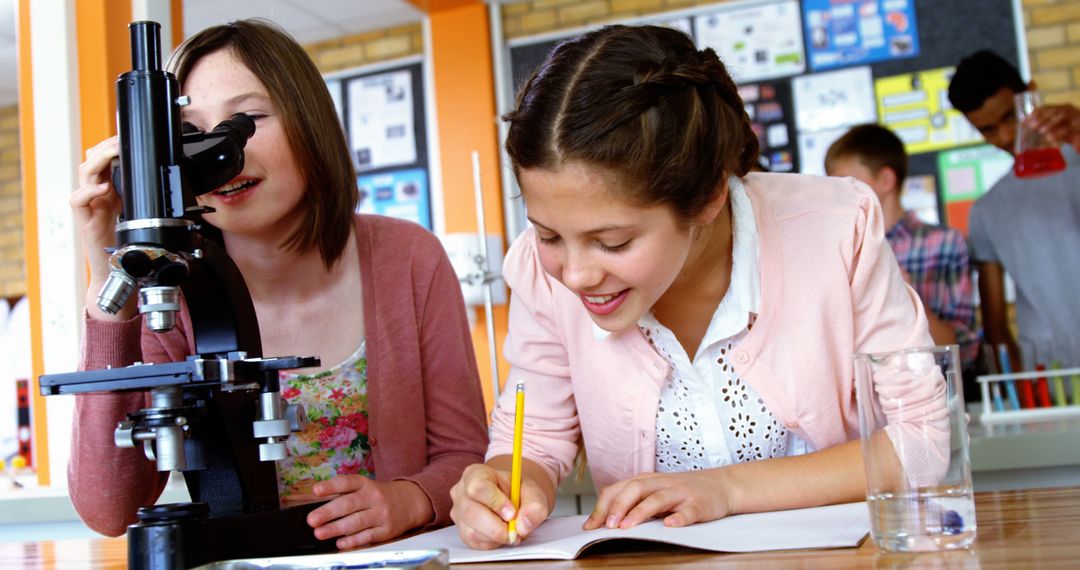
(642, 101)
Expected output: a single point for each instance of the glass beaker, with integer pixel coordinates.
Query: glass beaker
(913, 428)
(1035, 154)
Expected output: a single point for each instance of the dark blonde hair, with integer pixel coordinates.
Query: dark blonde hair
(642, 101)
(873, 145)
(307, 112)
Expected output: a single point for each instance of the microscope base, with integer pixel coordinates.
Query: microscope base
(171, 537)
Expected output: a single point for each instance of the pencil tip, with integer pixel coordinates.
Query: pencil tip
(513, 537)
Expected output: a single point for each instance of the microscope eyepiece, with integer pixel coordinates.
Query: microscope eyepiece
(215, 157)
(145, 46)
(239, 125)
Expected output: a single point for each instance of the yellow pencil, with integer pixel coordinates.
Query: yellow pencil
(515, 465)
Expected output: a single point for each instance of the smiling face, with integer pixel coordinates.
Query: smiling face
(618, 257)
(266, 199)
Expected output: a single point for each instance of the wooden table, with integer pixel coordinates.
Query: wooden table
(1017, 529)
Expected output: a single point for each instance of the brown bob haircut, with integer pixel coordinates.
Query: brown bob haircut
(308, 116)
(643, 102)
(874, 146)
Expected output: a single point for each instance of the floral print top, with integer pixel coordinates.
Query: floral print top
(335, 441)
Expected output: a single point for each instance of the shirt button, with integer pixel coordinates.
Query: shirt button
(372, 441)
(791, 424)
(742, 357)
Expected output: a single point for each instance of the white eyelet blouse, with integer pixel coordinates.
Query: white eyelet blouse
(707, 416)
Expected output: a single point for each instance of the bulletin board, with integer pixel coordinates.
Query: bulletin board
(382, 113)
(885, 61)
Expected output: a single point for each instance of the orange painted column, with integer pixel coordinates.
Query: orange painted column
(464, 91)
(28, 164)
(104, 53)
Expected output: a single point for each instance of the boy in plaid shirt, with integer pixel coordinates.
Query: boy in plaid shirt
(934, 259)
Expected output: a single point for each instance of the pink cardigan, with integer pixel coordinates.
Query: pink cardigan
(424, 398)
(830, 287)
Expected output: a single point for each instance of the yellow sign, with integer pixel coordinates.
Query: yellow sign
(916, 107)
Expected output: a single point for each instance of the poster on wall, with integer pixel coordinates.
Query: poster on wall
(684, 25)
(401, 194)
(834, 99)
(812, 149)
(755, 42)
(916, 107)
(381, 122)
(772, 117)
(334, 87)
(966, 174)
(853, 32)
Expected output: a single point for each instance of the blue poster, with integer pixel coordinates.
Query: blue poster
(401, 194)
(851, 32)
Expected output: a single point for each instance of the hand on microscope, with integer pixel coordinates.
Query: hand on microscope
(95, 206)
(364, 511)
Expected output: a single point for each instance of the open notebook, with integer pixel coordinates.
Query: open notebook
(561, 538)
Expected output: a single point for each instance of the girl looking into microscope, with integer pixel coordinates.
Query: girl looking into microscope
(397, 408)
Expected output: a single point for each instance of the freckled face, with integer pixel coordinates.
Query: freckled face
(617, 256)
(266, 199)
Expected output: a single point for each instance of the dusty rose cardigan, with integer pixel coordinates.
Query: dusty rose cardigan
(424, 398)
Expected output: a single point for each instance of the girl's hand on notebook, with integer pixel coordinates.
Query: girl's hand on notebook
(482, 507)
(685, 498)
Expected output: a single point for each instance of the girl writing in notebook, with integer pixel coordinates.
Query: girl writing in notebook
(691, 325)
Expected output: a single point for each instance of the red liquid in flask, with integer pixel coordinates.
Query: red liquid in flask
(1038, 161)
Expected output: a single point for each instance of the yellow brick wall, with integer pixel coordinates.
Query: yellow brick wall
(540, 16)
(12, 268)
(1053, 35)
(370, 47)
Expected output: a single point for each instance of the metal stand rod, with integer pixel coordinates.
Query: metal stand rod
(481, 229)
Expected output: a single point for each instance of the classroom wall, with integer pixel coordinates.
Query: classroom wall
(331, 55)
(1052, 28)
(370, 47)
(541, 16)
(12, 265)
(1053, 36)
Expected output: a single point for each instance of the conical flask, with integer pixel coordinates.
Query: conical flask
(1036, 155)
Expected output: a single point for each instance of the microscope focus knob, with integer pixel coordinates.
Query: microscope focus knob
(271, 428)
(296, 415)
(272, 451)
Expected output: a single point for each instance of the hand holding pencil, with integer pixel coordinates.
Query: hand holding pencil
(501, 502)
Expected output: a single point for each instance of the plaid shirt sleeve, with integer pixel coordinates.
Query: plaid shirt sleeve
(960, 309)
(936, 258)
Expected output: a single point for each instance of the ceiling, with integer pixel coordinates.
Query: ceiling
(307, 20)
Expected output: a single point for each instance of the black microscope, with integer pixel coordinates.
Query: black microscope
(218, 416)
